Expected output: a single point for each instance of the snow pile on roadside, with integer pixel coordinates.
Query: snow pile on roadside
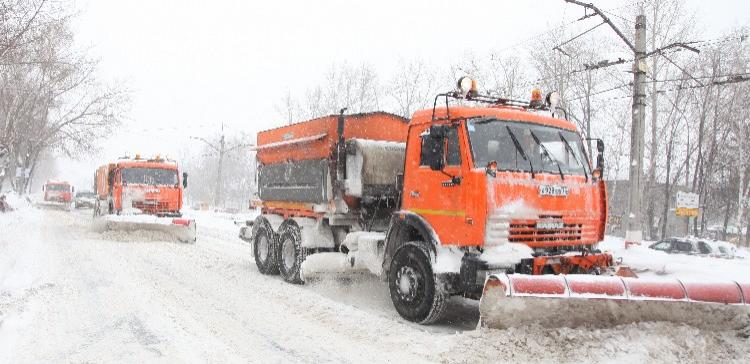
(18, 202)
(658, 263)
(634, 343)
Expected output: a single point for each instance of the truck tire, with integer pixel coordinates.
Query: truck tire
(264, 250)
(413, 286)
(291, 254)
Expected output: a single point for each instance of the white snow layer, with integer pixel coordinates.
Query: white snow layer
(67, 295)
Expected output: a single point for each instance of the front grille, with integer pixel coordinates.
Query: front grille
(152, 207)
(572, 232)
(528, 232)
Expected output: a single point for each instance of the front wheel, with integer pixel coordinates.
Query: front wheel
(413, 286)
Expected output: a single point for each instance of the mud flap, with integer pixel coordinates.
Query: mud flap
(604, 301)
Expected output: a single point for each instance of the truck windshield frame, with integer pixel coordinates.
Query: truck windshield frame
(519, 146)
(149, 176)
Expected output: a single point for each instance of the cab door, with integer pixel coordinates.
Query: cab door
(438, 195)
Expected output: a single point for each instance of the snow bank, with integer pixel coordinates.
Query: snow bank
(657, 263)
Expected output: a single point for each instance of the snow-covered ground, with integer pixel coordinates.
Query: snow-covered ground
(69, 293)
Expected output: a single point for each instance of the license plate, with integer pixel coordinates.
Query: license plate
(553, 190)
(549, 225)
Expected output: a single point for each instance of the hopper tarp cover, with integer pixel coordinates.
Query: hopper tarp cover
(317, 138)
(381, 161)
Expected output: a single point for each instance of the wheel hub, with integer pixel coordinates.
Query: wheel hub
(407, 282)
(287, 252)
(263, 248)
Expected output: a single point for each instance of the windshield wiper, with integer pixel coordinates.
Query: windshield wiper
(572, 152)
(547, 153)
(520, 150)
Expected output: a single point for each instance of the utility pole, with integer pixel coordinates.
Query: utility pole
(633, 221)
(637, 129)
(221, 149)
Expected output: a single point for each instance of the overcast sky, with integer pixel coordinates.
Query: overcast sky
(192, 65)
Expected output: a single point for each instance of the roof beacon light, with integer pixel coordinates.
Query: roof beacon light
(536, 98)
(467, 87)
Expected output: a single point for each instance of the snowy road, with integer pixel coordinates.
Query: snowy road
(71, 294)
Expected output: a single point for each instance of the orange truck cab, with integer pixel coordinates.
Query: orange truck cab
(433, 205)
(58, 191)
(140, 186)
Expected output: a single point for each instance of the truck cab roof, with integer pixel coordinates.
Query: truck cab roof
(500, 112)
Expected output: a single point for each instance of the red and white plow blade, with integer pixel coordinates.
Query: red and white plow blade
(181, 229)
(511, 300)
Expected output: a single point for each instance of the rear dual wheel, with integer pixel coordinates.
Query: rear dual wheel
(291, 253)
(264, 249)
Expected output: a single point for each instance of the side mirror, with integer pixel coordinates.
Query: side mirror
(184, 179)
(599, 171)
(434, 145)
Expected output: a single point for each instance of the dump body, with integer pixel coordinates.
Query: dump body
(300, 171)
(58, 191)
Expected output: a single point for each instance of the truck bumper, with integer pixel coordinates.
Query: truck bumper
(475, 270)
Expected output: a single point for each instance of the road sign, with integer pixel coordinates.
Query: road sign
(687, 204)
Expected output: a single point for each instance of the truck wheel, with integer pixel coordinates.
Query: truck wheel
(291, 253)
(264, 250)
(413, 286)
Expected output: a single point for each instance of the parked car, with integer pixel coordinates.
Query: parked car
(722, 249)
(682, 246)
(85, 199)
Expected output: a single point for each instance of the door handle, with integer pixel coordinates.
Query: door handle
(414, 194)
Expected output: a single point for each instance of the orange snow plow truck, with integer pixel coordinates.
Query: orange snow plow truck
(143, 194)
(494, 200)
(58, 194)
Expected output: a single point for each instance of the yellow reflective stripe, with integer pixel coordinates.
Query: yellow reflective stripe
(457, 213)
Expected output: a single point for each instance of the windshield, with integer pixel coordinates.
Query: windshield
(58, 187)
(149, 176)
(536, 148)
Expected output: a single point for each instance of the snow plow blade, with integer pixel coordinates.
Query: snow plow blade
(53, 205)
(512, 300)
(180, 229)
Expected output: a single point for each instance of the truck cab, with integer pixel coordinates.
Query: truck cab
(495, 175)
(140, 186)
(58, 191)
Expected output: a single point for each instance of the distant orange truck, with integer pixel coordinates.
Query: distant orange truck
(143, 194)
(58, 191)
